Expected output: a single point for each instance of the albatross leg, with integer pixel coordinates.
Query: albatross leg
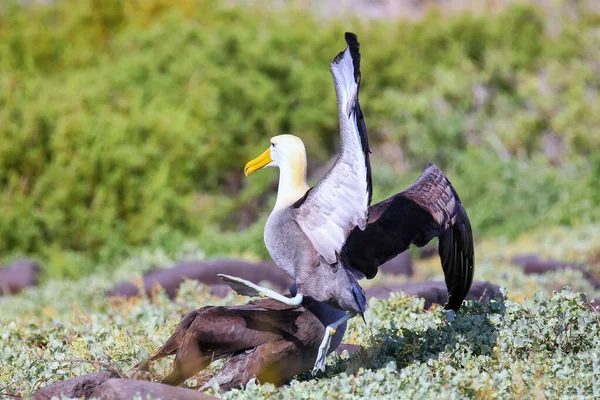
(247, 288)
(329, 332)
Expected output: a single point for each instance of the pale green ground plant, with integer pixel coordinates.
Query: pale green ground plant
(537, 343)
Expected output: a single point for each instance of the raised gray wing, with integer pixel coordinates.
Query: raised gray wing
(340, 201)
(428, 208)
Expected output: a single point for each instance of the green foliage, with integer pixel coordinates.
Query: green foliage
(127, 124)
(544, 346)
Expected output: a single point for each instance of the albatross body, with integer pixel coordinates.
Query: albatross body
(328, 237)
(264, 339)
(308, 227)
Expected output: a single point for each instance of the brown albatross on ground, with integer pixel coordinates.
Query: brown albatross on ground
(264, 339)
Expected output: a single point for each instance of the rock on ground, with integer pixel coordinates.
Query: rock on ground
(352, 348)
(126, 389)
(205, 272)
(534, 264)
(400, 265)
(434, 292)
(18, 275)
(221, 290)
(74, 387)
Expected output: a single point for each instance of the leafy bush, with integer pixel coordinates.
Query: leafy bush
(126, 124)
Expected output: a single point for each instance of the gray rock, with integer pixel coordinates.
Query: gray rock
(382, 291)
(123, 289)
(534, 264)
(18, 275)
(434, 292)
(205, 272)
(400, 265)
(221, 290)
(126, 389)
(352, 348)
(74, 387)
(522, 259)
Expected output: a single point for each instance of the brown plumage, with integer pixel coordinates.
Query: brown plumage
(264, 339)
(429, 208)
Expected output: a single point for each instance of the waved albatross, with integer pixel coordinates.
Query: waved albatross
(264, 339)
(328, 237)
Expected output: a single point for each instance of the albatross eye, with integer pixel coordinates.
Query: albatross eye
(272, 144)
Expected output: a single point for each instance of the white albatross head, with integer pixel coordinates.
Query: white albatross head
(288, 153)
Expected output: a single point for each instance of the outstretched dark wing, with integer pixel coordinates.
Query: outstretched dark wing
(429, 208)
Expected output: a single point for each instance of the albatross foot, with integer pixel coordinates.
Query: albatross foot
(323, 349)
(247, 288)
(326, 343)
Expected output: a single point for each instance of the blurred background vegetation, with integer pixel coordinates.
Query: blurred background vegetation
(126, 124)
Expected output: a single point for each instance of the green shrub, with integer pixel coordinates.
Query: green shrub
(125, 124)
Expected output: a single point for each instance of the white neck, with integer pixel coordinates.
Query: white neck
(292, 182)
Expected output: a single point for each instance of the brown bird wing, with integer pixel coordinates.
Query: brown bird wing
(278, 361)
(212, 333)
(174, 342)
(429, 208)
(230, 329)
(270, 362)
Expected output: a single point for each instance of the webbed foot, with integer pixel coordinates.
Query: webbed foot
(323, 349)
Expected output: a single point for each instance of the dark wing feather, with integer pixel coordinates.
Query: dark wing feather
(173, 344)
(354, 47)
(213, 333)
(255, 322)
(364, 139)
(429, 208)
(226, 330)
(272, 362)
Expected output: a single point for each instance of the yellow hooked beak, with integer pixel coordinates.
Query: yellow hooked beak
(258, 162)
